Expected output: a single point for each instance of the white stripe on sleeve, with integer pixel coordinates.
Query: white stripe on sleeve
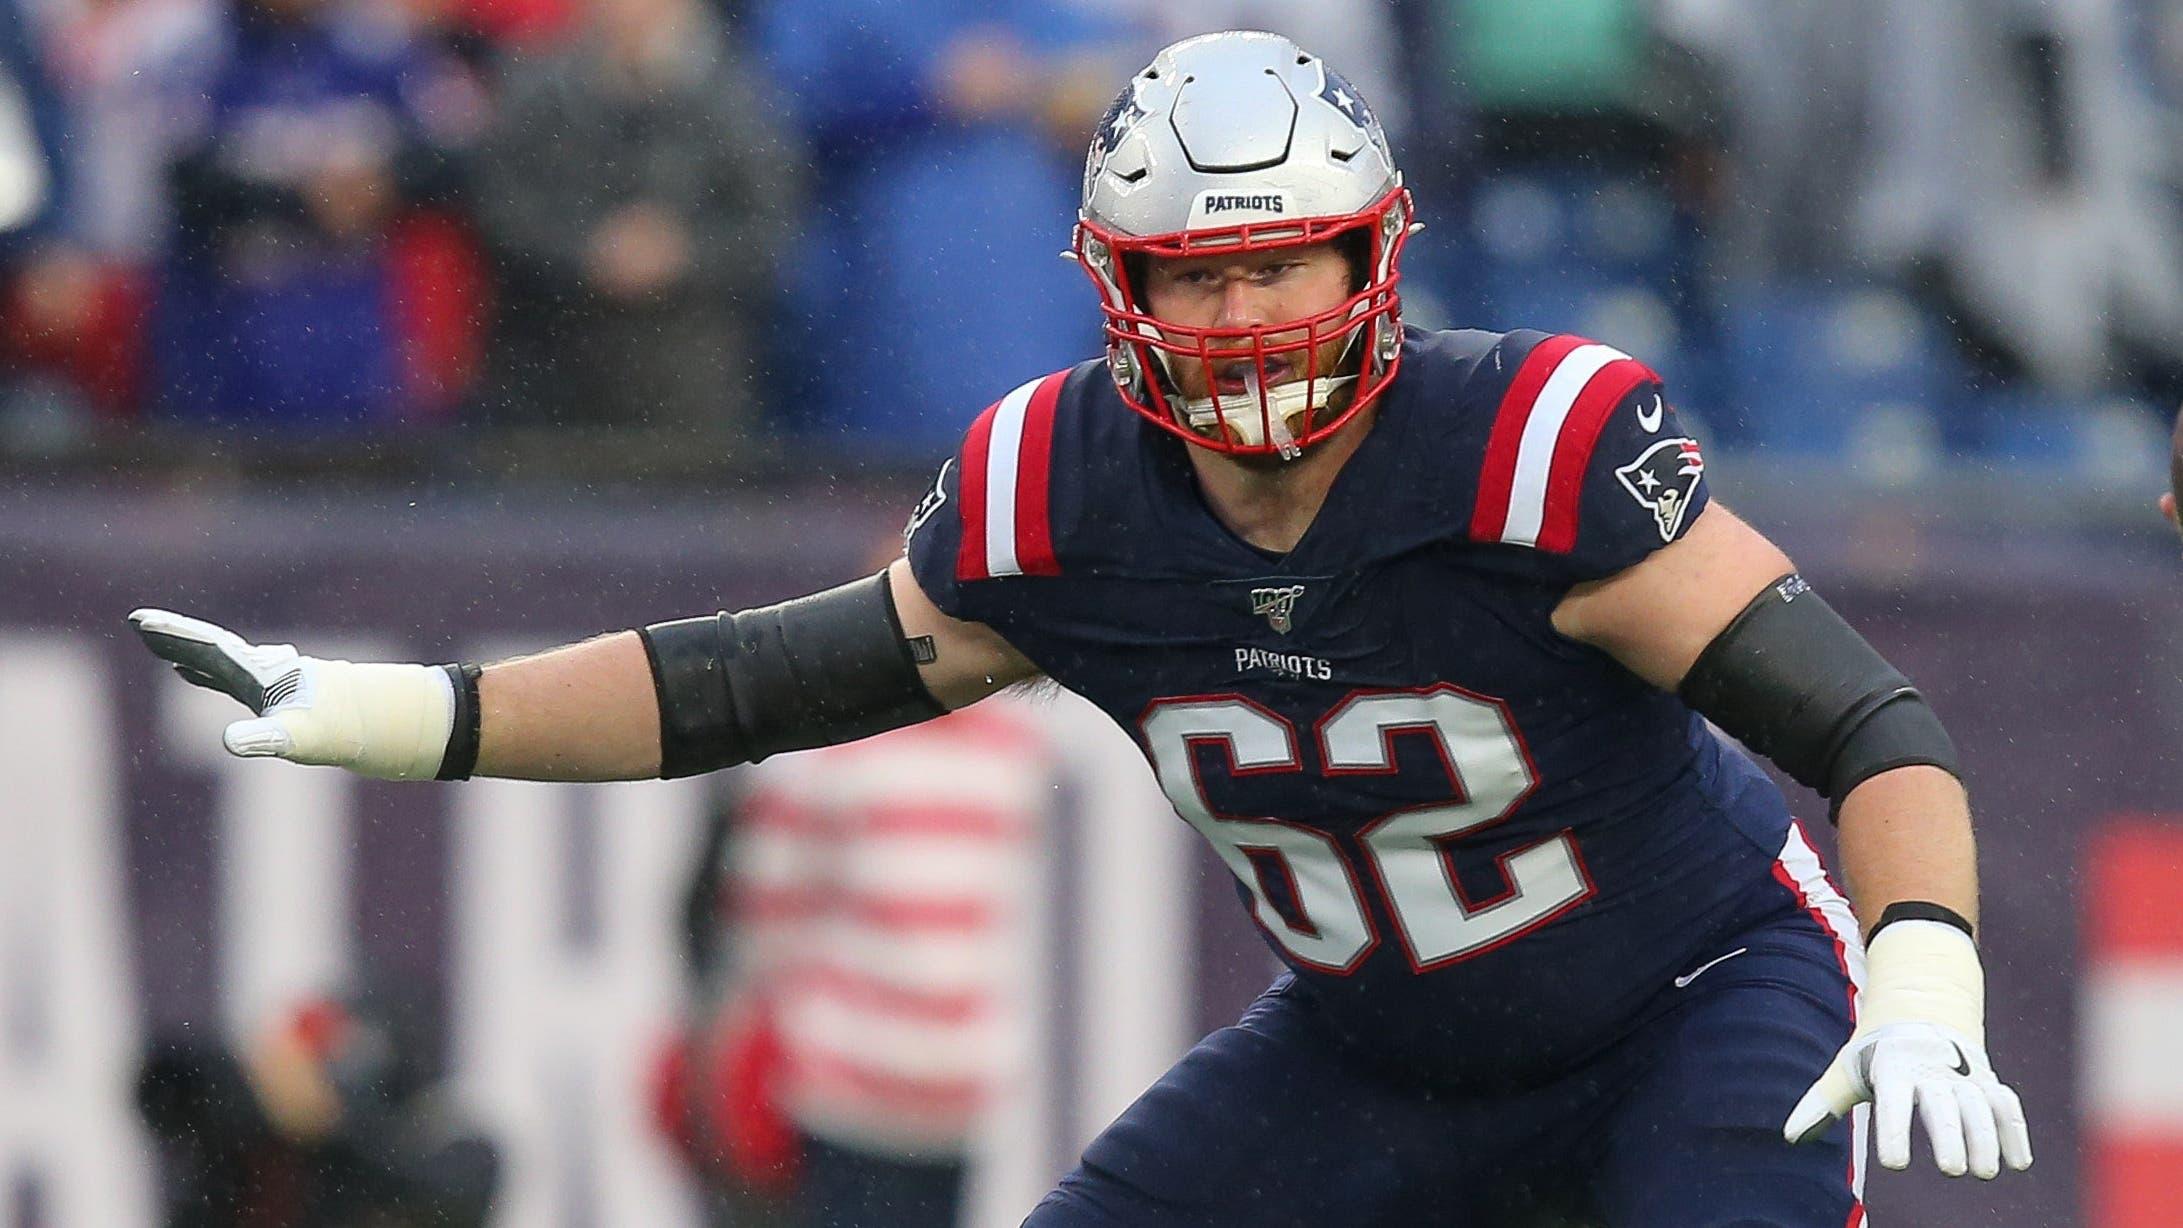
(1542, 430)
(1001, 457)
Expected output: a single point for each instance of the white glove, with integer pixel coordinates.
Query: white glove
(1920, 1041)
(389, 721)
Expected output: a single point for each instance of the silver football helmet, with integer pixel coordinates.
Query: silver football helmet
(1243, 141)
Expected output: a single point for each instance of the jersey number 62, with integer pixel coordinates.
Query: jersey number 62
(1407, 852)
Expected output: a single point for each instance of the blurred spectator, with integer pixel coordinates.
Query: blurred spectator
(2017, 176)
(124, 70)
(878, 899)
(279, 306)
(1593, 84)
(486, 32)
(33, 191)
(1793, 75)
(1584, 178)
(325, 1121)
(25, 164)
(949, 138)
(637, 196)
(2004, 159)
(31, 177)
(127, 71)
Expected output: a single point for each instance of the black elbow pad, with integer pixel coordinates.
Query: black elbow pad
(828, 668)
(1794, 682)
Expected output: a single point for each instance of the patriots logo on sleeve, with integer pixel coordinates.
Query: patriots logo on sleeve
(1663, 479)
(929, 505)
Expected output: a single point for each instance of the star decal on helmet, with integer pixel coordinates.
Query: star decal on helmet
(1114, 126)
(1344, 98)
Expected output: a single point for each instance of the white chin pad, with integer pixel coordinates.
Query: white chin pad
(1241, 413)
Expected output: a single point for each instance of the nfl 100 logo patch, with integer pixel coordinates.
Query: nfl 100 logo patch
(1278, 605)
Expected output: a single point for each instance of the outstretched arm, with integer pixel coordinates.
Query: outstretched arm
(1720, 617)
(832, 667)
(1905, 831)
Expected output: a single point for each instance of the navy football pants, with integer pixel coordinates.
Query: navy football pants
(1268, 1123)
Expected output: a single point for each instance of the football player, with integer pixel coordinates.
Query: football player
(1422, 632)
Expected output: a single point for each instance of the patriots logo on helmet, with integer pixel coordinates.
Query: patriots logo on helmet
(1114, 128)
(1663, 479)
(1344, 97)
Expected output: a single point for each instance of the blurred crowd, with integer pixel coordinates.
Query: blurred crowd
(1832, 224)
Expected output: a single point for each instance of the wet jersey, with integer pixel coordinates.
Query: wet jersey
(1483, 847)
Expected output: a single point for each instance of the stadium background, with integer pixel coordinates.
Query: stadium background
(1913, 264)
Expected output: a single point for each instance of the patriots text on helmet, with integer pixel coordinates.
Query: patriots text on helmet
(1263, 203)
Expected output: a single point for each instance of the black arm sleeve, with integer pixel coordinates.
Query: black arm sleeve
(831, 667)
(1794, 682)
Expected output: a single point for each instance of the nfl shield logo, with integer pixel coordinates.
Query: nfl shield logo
(1277, 604)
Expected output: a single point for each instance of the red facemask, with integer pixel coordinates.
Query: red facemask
(1258, 421)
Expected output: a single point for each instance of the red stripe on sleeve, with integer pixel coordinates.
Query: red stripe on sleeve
(1490, 514)
(1573, 450)
(970, 554)
(1034, 468)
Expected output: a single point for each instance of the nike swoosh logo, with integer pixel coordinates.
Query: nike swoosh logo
(1683, 981)
(1963, 1064)
(1651, 421)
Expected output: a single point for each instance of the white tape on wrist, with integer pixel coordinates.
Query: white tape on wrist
(1926, 971)
(388, 721)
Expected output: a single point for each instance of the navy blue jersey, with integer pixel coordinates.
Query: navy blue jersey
(1483, 846)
